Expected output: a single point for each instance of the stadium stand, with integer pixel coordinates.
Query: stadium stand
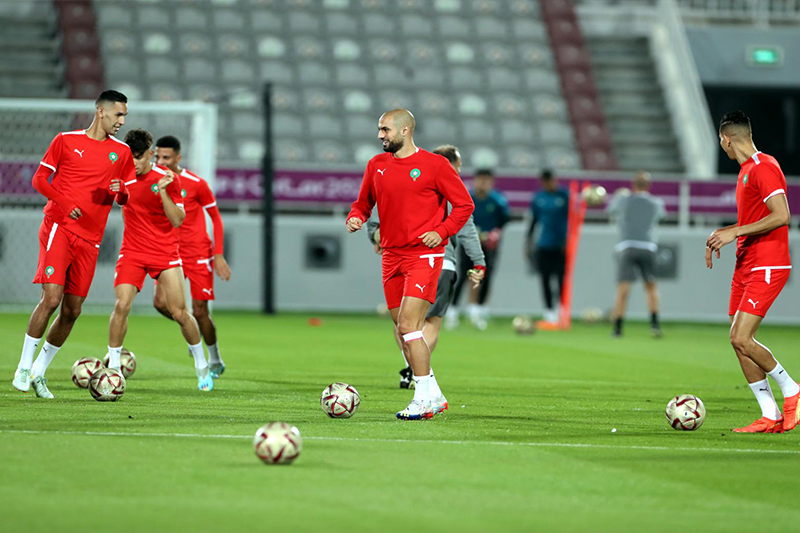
(498, 96)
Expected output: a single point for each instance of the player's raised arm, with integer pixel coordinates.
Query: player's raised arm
(455, 192)
(169, 189)
(361, 209)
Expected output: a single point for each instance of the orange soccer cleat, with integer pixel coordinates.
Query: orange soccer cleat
(790, 413)
(762, 425)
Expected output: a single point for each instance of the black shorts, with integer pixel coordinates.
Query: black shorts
(631, 259)
(444, 294)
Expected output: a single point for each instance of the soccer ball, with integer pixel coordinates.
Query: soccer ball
(127, 362)
(523, 325)
(107, 385)
(591, 315)
(594, 195)
(277, 443)
(340, 400)
(686, 412)
(83, 369)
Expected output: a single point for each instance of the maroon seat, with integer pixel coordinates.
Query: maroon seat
(73, 14)
(557, 8)
(79, 41)
(84, 68)
(592, 135)
(598, 159)
(565, 31)
(578, 82)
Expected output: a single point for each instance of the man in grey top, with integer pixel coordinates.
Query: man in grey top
(637, 214)
(467, 238)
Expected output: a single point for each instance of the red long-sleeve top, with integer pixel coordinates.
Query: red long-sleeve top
(412, 194)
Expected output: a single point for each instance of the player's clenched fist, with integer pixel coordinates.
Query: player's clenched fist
(354, 224)
(431, 239)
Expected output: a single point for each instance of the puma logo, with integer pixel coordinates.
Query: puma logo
(208, 291)
(752, 302)
(381, 171)
(764, 390)
(421, 287)
(79, 152)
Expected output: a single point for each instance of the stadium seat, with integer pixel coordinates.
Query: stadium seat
(341, 24)
(381, 50)
(361, 126)
(117, 15)
(523, 157)
(541, 80)
(481, 157)
(422, 53)
(200, 91)
(455, 28)
(556, 133)
(303, 22)
(157, 43)
(250, 149)
(161, 68)
(79, 41)
(426, 77)
(510, 105)
(435, 103)
(467, 78)
(357, 101)
(362, 153)
(459, 52)
(416, 26)
(475, 131)
(284, 124)
(285, 99)
(237, 71)
(194, 44)
(525, 29)
(352, 75)
(277, 72)
(391, 75)
(320, 99)
(190, 18)
(346, 50)
(164, 91)
(313, 73)
(156, 18)
(471, 104)
(497, 54)
(330, 152)
(265, 22)
(197, 69)
(504, 79)
(394, 99)
(516, 131)
(291, 150)
(379, 24)
(232, 45)
(491, 28)
(226, 19)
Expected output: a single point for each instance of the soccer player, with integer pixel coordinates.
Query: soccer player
(150, 246)
(491, 214)
(411, 188)
(200, 258)
(550, 206)
(762, 269)
(637, 215)
(467, 239)
(89, 169)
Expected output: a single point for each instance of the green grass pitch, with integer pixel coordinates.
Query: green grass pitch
(527, 444)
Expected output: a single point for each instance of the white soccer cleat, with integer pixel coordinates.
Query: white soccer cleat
(451, 319)
(416, 410)
(439, 404)
(40, 387)
(22, 380)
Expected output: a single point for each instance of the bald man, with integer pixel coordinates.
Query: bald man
(637, 215)
(411, 188)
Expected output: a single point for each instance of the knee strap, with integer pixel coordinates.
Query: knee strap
(414, 335)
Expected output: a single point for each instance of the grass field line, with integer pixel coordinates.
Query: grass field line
(411, 441)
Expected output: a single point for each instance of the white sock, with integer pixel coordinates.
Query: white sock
(421, 388)
(213, 354)
(473, 311)
(763, 392)
(45, 358)
(788, 386)
(113, 357)
(200, 363)
(29, 346)
(433, 386)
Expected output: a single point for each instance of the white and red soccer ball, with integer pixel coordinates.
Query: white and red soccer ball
(83, 369)
(277, 443)
(340, 400)
(107, 385)
(686, 412)
(127, 362)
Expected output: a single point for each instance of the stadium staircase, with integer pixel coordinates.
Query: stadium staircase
(633, 101)
(30, 61)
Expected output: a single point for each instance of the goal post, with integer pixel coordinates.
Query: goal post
(27, 126)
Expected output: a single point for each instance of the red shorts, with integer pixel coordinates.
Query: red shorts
(414, 275)
(132, 268)
(65, 259)
(200, 273)
(754, 291)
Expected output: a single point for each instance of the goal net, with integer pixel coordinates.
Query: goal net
(26, 128)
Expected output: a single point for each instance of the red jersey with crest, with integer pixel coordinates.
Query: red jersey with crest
(412, 195)
(147, 228)
(760, 178)
(83, 169)
(197, 197)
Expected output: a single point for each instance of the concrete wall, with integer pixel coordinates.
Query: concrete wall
(719, 52)
(695, 294)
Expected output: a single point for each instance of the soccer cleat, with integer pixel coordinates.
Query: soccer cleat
(790, 413)
(762, 425)
(40, 387)
(656, 332)
(22, 380)
(205, 383)
(439, 404)
(416, 410)
(405, 378)
(451, 319)
(479, 322)
(217, 369)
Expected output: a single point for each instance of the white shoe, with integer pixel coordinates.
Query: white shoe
(451, 319)
(479, 322)
(439, 404)
(551, 316)
(40, 387)
(22, 380)
(416, 410)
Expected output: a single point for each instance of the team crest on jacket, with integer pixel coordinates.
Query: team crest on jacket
(112, 157)
(154, 188)
(415, 174)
